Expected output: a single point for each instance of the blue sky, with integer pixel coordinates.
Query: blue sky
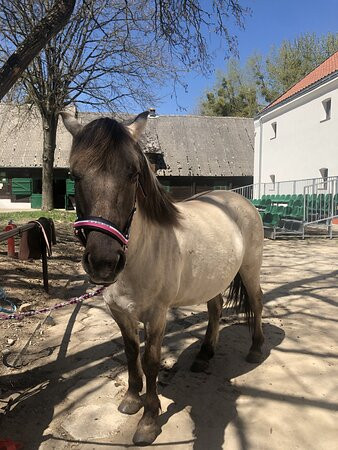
(271, 22)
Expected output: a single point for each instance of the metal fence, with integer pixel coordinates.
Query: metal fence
(321, 203)
(283, 187)
(318, 205)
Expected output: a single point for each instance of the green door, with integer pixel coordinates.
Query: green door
(22, 186)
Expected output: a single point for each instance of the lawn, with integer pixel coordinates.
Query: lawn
(21, 217)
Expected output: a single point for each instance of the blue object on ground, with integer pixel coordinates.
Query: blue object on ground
(4, 299)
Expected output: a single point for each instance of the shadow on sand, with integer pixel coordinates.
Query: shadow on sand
(211, 397)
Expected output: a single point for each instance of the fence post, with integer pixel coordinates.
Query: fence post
(11, 240)
(44, 261)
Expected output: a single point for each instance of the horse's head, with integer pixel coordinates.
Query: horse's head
(105, 162)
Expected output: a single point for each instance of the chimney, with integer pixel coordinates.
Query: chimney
(152, 112)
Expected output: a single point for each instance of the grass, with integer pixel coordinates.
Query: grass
(21, 217)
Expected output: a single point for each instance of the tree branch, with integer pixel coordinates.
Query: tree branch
(54, 21)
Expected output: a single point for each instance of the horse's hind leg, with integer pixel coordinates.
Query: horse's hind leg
(251, 280)
(131, 402)
(207, 350)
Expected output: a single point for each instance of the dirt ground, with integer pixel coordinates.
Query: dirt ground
(71, 375)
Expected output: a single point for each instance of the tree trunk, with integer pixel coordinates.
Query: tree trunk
(49, 123)
(50, 25)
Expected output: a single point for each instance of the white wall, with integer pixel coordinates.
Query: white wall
(7, 205)
(304, 142)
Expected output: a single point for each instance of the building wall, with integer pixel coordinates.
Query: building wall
(304, 142)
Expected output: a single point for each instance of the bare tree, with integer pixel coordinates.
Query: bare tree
(111, 52)
(48, 27)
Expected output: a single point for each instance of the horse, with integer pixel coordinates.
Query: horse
(152, 253)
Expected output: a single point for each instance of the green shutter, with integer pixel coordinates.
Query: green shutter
(22, 186)
(70, 187)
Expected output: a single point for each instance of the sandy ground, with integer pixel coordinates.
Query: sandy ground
(72, 376)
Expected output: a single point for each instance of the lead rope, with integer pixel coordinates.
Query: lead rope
(34, 312)
(49, 250)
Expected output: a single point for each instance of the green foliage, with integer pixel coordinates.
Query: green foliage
(243, 92)
(285, 66)
(233, 95)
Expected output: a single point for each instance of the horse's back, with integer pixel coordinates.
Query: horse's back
(214, 238)
(237, 207)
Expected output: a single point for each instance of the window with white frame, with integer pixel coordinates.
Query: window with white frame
(327, 109)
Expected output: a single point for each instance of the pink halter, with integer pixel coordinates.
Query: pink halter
(93, 223)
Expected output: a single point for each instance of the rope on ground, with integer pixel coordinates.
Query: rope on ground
(20, 315)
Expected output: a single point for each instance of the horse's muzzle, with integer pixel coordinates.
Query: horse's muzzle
(103, 270)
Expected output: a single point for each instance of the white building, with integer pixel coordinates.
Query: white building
(297, 134)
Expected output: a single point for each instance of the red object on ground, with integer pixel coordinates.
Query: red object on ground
(8, 444)
(10, 244)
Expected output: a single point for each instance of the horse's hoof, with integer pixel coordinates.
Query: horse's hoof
(199, 365)
(146, 434)
(130, 404)
(254, 356)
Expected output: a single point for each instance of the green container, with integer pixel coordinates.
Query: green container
(70, 187)
(22, 186)
(36, 201)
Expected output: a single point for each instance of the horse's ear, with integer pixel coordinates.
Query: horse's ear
(137, 127)
(71, 123)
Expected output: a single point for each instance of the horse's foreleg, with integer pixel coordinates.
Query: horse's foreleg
(131, 402)
(148, 427)
(207, 350)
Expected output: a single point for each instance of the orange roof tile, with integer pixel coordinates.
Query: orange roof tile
(326, 68)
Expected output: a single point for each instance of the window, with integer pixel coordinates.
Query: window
(327, 109)
(274, 130)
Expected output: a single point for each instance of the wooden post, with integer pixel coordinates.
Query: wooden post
(44, 261)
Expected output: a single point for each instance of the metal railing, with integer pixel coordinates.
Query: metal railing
(4, 236)
(321, 203)
(319, 197)
(282, 187)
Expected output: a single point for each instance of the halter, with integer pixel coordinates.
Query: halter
(94, 223)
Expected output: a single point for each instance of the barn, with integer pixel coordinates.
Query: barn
(189, 154)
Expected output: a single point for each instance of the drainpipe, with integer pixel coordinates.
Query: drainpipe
(260, 156)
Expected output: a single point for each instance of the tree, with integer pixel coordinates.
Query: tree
(243, 92)
(18, 61)
(233, 95)
(109, 53)
(286, 65)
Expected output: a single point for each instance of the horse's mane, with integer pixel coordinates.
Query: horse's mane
(101, 143)
(154, 202)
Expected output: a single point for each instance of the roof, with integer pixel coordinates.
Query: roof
(186, 145)
(321, 73)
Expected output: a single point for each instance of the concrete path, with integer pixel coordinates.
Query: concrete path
(69, 400)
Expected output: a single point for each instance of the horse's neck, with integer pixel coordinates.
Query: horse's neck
(145, 240)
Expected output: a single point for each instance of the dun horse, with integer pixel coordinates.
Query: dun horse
(179, 254)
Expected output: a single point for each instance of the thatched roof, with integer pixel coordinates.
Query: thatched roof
(186, 145)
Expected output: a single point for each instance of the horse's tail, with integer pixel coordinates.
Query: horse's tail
(239, 300)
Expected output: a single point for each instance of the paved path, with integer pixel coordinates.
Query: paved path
(69, 399)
